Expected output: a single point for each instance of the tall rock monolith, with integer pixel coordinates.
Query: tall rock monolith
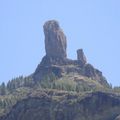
(55, 40)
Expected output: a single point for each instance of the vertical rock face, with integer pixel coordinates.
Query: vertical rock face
(81, 57)
(55, 40)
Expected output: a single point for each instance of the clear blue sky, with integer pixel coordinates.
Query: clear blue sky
(93, 25)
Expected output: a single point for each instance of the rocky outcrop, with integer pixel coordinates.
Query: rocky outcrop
(81, 57)
(56, 62)
(54, 105)
(49, 99)
(55, 40)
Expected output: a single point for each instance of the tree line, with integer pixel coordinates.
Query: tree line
(15, 83)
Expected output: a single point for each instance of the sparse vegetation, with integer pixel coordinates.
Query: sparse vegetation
(18, 88)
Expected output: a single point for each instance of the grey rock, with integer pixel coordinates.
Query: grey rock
(56, 61)
(89, 71)
(55, 40)
(81, 57)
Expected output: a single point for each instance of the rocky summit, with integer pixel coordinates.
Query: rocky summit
(55, 61)
(60, 88)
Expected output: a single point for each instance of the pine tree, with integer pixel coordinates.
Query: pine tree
(3, 89)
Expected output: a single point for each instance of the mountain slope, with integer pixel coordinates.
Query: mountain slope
(54, 105)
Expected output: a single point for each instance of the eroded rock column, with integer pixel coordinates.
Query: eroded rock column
(81, 57)
(55, 40)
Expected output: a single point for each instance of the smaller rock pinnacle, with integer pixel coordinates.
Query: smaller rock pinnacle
(81, 57)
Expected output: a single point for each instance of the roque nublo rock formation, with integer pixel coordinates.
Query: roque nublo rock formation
(56, 61)
(76, 90)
